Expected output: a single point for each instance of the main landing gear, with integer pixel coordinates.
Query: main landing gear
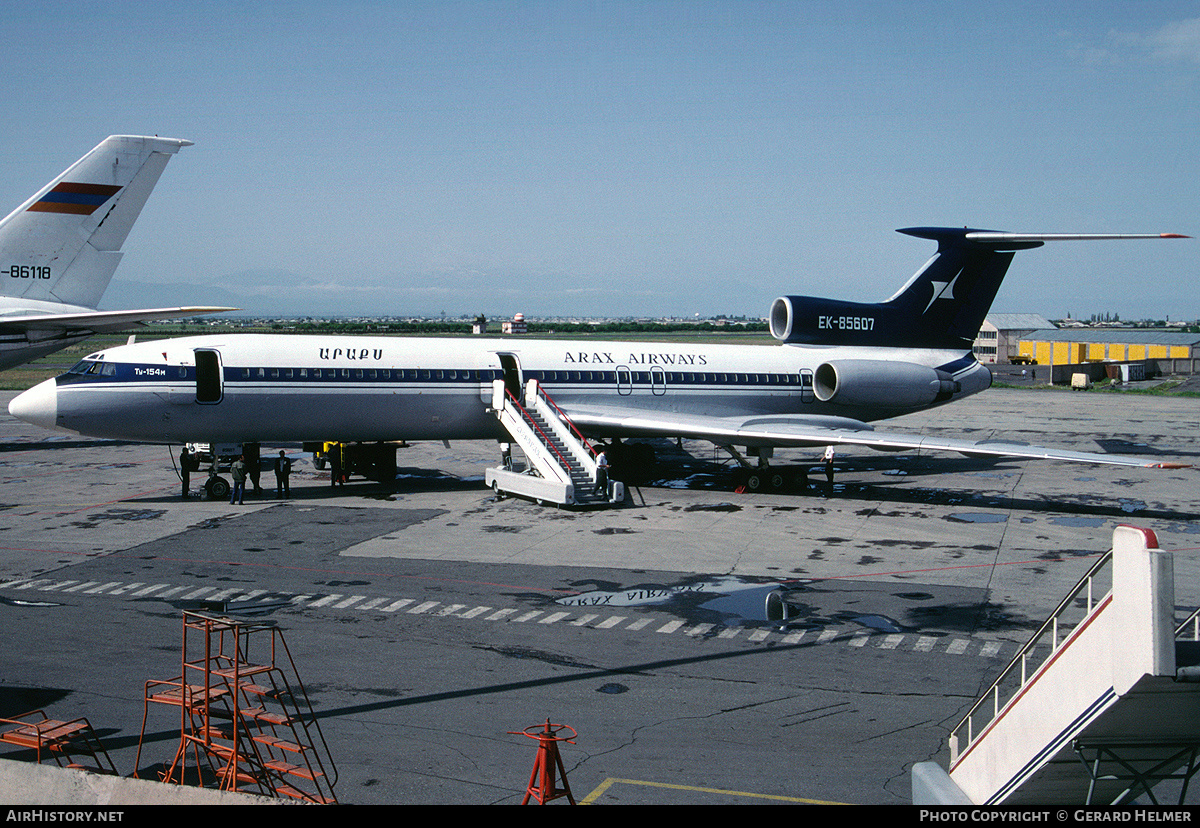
(763, 477)
(216, 487)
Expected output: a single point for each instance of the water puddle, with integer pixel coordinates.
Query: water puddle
(734, 596)
(16, 602)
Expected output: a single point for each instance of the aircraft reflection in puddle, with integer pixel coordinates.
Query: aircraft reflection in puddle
(731, 596)
(738, 601)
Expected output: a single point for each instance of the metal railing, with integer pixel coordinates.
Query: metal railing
(546, 441)
(1080, 603)
(562, 415)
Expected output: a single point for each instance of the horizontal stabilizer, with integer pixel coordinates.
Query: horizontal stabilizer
(1045, 237)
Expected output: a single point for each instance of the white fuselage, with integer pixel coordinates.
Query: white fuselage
(256, 388)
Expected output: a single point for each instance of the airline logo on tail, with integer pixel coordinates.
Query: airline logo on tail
(942, 290)
(74, 198)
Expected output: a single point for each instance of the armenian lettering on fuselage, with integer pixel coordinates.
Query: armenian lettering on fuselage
(350, 353)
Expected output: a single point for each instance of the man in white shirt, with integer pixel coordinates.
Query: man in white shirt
(601, 486)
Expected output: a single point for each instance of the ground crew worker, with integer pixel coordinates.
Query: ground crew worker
(601, 486)
(185, 468)
(238, 471)
(283, 469)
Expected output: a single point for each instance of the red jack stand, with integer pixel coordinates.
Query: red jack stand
(546, 763)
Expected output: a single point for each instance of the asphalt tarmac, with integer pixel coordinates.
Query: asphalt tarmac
(431, 621)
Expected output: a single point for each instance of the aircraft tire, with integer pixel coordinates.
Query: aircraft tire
(777, 480)
(217, 488)
(754, 481)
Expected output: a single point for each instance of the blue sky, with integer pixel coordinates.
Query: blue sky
(612, 158)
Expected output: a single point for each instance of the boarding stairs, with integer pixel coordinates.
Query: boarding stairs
(244, 716)
(1100, 707)
(561, 465)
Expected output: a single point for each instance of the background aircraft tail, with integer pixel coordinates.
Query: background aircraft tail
(942, 306)
(64, 243)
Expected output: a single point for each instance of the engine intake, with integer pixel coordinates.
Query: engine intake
(881, 383)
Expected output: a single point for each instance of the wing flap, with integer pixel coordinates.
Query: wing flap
(801, 431)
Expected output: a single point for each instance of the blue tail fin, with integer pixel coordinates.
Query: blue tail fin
(942, 306)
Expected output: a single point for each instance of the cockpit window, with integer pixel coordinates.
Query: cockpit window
(95, 367)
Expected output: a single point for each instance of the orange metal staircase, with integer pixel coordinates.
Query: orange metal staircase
(245, 718)
(65, 742)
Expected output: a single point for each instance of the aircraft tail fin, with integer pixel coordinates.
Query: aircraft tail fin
(942, 306)
(63, 244)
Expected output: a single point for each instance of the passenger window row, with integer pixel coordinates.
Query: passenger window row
(109, 369)
(487, 375)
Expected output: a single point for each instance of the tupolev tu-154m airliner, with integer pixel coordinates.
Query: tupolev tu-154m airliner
(840, 365)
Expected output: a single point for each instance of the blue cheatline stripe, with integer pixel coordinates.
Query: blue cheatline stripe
(555, 381)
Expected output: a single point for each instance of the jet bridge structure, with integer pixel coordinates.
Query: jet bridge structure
(1100, 707)
(561, 465)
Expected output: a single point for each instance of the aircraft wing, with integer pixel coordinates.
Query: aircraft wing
(799, 430)
(97, 321)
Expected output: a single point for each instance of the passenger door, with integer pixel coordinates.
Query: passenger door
(210, 385)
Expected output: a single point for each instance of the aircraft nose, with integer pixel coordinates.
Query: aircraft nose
(38, 405)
